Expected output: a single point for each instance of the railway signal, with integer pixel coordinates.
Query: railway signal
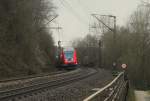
(124, 66)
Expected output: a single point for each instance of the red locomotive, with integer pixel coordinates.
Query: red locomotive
(67, 57)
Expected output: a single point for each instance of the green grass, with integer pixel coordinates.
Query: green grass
(131, 96)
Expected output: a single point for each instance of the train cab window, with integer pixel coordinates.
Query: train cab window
(68, 54)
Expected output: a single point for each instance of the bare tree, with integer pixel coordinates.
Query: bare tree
(24, 45)
(132, 46)
(87, 50)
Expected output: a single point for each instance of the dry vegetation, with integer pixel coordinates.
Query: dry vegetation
(132, 47)
(25, 45)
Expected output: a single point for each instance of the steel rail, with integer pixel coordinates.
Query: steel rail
(8, 85)
(31, 76)
(48, 85)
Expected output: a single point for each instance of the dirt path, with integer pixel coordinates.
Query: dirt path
(142, 96)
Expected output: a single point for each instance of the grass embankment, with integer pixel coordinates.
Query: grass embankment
(131, 96)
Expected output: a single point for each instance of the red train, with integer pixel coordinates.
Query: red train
(67, 57)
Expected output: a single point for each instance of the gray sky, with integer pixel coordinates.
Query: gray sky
(74, 15)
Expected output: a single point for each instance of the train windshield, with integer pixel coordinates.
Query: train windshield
(68, 54)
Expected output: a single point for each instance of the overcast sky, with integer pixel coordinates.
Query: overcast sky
(74, 15)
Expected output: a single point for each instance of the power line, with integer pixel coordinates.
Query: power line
(49, 21)
(84, 7)
(69, 7)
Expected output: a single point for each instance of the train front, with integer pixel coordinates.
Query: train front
(69, 57)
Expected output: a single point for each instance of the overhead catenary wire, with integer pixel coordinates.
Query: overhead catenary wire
(84, 7)
(67, 5)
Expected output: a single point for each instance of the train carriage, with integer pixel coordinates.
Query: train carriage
(68, 57)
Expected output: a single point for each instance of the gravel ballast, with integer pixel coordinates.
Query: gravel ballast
(75, 91)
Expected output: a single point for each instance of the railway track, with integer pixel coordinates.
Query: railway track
(13, 83)
(29, 77)
(30, 80)
(11, 95)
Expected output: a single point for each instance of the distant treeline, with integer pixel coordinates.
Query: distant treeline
(26, 45)
(132, 46)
